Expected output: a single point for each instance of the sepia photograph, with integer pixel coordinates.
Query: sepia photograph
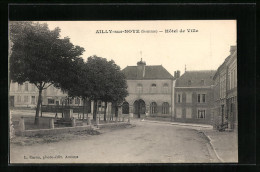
(126, 91)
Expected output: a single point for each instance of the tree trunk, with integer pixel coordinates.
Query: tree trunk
(83, 108)
(87, 108)
(78, 110)
(116, 111)
(36, 121)
(95, 110)
(105, 112)
(41, 108)
(62, 110)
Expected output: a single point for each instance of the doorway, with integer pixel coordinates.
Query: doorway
(139, 107)
(125, 108)
(222, 114)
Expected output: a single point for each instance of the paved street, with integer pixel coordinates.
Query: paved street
(144, 143)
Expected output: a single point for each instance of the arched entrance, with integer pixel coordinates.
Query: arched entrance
(125, 108)
(139, 107)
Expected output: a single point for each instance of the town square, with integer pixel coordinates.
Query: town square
(123, 92)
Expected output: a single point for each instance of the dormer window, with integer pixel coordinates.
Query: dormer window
(165, 88)
(139, 88)
(202, 82)
(189, 83)
(153, 88)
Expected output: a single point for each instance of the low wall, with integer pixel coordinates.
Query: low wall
(53, 131)
(44, 120)
(110, 125)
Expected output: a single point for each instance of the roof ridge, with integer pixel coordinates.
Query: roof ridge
(200, 70)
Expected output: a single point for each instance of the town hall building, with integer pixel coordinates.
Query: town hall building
(150, 89)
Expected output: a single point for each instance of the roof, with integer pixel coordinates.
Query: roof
(221, 66)
(146, 72)
(194, 78)
(233, 52)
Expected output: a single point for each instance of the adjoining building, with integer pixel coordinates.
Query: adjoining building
(150, 90)
(225, 93)
(194, 97)
(23, 95)
(26, 95)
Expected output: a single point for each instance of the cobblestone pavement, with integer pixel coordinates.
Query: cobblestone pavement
(144, 143)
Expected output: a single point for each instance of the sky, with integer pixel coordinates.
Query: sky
(205, 49)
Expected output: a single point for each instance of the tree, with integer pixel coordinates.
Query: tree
(115, 86)
(97, 68)
(77, 81)
(40, 56)
(107, 82)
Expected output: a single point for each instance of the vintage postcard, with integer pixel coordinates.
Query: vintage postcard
(157, 91)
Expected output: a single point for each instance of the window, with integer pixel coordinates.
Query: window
(188, 97)
(19, 87)
(201, 98)
(50, 101)
(178, 112)
(139, 88)
(235, 71)
(33, 87)
(18, 98)
(189, 83)
(26, 87)
(234, 82)
(153, 88)
(99, 104)
(201, 114)
(165, 108)
(188, 113)
(230, 78)
(77, 101)
(153, 108)
(33, 100)
(165, 88)
(70, 101)
(25, 99)
(202, 82)
(179, 98)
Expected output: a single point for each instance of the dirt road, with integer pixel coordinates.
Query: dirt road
(144, 143)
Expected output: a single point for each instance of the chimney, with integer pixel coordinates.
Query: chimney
(232, 49)
(176, 74)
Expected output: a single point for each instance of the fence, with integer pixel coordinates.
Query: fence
(60, 109)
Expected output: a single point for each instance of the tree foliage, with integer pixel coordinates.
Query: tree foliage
(107, 82)
(40, 56)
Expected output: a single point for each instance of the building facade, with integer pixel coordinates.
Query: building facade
(150, 91)
(26, 95)
(23, 95)
(194, 97)
(225, 92)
